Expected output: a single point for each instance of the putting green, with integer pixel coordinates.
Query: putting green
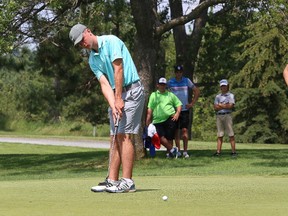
(215, 195)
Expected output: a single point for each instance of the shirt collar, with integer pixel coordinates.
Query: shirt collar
(100, 45)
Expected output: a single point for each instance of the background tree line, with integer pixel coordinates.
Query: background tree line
(45, 78)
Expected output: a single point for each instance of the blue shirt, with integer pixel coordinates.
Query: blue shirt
(181, 89)
(225, 99)
(111, 48)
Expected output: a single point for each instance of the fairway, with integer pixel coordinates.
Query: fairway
(56, 181)
(186, 196)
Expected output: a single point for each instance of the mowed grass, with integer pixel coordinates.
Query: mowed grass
(51, 180)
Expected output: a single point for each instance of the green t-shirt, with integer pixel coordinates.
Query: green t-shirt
(163, 105)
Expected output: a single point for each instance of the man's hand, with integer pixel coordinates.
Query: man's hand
(175, 116)
(188, 106)
(119, 105)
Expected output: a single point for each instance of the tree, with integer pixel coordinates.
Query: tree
(150, 27)
(249, 48)
(264, 103)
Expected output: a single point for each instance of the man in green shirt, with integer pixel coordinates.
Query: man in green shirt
(164, 109)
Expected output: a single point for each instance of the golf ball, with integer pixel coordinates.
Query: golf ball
(165, 198)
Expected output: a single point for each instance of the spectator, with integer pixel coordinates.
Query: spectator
(113, 66)
(180, 85)
(223, 105)
(285, 74)
(161, 112)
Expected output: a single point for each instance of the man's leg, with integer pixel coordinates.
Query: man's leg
(115, 160)
(166, 143)
(127, 154)
(177, 138)
(220, 134)
(185, 142)
(233, 145)
(219, 144)
(126, 151)
(185, 139)
(114, 166)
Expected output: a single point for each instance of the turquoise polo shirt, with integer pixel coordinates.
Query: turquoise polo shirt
(163, 105)
(111, 48)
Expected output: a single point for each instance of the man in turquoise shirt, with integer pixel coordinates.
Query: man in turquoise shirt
(161, 112)
(114, 68)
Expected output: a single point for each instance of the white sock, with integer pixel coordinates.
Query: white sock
(128, 180)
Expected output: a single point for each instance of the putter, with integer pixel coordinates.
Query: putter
(99, 188)
(113, 141)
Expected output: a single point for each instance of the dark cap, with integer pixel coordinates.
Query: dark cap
(178, 68)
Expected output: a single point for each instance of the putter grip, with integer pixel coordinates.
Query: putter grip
(117, 121)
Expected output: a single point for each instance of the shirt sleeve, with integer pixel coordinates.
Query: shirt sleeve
(231, 98)
(151, 102)
(115, 48)
(216, 101)
(190, 84)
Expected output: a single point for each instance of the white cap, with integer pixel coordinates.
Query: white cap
(162, 80)
(223, 82)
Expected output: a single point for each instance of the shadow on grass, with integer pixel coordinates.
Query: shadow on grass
(200, 158)
(17, 164)
(90, 162)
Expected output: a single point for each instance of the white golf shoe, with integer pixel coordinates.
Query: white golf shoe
(102, 186)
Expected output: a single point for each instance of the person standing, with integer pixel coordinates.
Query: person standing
(163, 112)
(285, 74)
(180, 86)
(223, 105)
(115, 70)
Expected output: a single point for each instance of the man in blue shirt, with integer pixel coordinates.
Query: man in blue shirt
(115, 70)
(180, 86)
(223, 105)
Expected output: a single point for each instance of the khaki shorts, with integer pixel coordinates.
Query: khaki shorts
(133, 108)
(224, 124)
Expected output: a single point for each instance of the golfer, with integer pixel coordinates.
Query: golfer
(115, 70)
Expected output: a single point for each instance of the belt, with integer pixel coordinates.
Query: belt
(223, 113)
(131, 86)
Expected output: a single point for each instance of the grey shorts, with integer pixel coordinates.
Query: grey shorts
(133, 108)
(224, 124)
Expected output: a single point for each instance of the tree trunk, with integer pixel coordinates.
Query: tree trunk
(145, 55)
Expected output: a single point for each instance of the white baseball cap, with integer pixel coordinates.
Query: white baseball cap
(223, 82)
(162, 80)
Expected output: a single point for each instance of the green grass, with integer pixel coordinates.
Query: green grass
(51, 180)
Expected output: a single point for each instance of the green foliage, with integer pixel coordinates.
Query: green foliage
(262, 83)
(24, 92)
(204, 121)
(249, 48)
(8, 9)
